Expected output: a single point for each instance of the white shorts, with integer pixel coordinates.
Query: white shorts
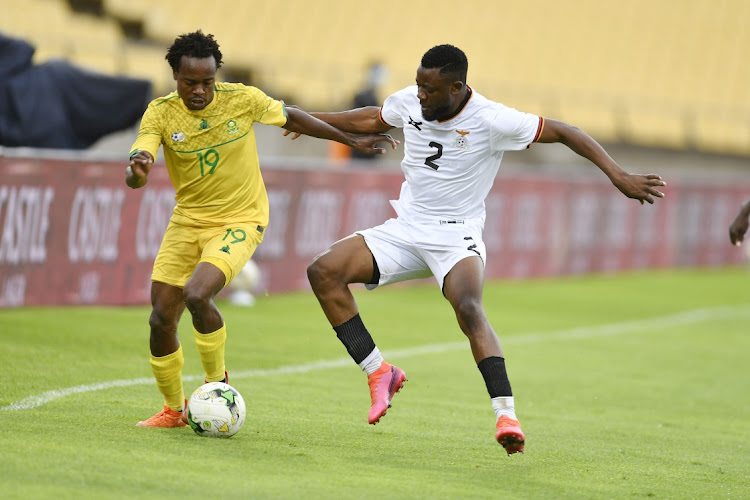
(405, 250)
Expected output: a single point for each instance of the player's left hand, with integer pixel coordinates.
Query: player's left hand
(367, 143)
(640, 187)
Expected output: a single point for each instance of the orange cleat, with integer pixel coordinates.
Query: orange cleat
(510, 435)
(166, 418)
(384, 384)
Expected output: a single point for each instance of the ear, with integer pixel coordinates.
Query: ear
(457, 86)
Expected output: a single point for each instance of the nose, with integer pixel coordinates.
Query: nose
(421, 95)
(200, 90)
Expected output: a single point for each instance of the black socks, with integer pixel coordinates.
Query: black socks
(495, 377)
(356, 339)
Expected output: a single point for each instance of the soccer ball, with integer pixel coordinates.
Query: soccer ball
(243, 285)
(247, 279)
(216, 409)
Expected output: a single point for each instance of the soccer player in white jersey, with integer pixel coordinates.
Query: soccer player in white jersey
(454, 142)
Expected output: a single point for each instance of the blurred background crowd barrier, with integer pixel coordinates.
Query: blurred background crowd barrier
(72, 233)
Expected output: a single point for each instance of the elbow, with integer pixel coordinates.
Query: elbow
(571, 136)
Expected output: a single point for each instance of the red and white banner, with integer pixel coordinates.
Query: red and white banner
(71, 232)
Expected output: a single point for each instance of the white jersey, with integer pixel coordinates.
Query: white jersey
(450, 166)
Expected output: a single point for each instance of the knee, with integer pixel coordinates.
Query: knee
(162, 320)
(320, 272)
(470, 313)
(195, 299)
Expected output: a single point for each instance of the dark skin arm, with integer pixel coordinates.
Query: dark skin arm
(298, 122)
(136, 175)
(318, 125)
(637, 186)
(355, 121)
(739, 226)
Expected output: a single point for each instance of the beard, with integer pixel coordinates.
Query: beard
(436, 114)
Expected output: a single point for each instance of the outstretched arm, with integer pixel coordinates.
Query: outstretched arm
(636, 186)
(355, 121)
(323, 126)
(739, 226)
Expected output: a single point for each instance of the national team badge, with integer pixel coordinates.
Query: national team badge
(232, 127)
(178, 136)
(462, 142)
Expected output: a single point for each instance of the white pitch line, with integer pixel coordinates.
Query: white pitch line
(668, 321)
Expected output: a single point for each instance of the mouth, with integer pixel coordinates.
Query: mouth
(197, 101)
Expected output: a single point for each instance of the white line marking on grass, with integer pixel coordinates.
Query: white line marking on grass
(668, 321)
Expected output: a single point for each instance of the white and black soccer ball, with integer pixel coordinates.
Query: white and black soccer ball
(242, 287)
(216, 409)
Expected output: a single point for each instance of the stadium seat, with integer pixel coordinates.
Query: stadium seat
(656, 73)
(723, 132)
(147, 61)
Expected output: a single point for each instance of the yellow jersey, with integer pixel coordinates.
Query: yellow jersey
(211, 153)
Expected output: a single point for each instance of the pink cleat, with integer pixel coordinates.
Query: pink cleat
(384, 384)
(509, 434)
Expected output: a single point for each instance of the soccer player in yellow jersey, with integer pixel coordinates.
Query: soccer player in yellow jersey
(206, 130)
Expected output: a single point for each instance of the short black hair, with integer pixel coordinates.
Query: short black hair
(194, 44)
(448, 58)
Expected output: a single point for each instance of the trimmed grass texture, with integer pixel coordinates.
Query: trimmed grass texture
(627, 386)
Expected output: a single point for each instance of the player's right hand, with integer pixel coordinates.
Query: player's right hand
(140, 164)
(294, 134)
(136, 175)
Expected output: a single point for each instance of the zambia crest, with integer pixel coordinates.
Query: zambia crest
(462, 142)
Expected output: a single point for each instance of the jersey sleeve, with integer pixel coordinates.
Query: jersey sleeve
(149, 133)
(265, 109)
(513, 130)
(390, 112)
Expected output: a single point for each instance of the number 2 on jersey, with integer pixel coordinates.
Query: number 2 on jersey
(211, 158)
(430, 161)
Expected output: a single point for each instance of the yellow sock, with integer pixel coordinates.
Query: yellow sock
(168, 373)
(211, 348)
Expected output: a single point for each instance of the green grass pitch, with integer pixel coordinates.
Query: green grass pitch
(627, 386)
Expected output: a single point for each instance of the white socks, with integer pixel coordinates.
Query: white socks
(372, 362)
(504, 405)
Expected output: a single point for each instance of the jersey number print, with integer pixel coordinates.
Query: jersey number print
(430, 161)
(210, 158)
